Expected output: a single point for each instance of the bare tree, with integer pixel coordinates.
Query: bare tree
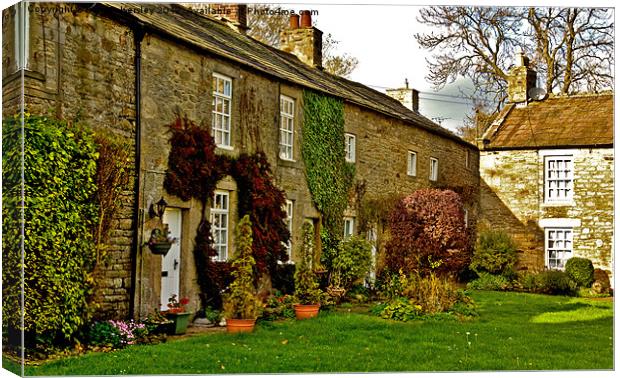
(265, 24)
(572, 48)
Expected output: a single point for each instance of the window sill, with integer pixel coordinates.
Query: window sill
(227, 148)
(558, 204)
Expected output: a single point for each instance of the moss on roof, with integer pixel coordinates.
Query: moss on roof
(558, 121)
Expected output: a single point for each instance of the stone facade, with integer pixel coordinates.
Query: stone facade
(80, 66)
(83, 63)
(513, 199)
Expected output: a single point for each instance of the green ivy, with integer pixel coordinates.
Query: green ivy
(60, 214)
(329, 176)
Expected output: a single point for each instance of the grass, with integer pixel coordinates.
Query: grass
(515, 331)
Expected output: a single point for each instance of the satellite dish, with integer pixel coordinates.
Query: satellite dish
(537, 94)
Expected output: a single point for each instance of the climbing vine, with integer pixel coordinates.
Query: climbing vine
(329, 176)
(194, 170)
(264, 202)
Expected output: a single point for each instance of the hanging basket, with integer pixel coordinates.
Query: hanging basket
(161, 248)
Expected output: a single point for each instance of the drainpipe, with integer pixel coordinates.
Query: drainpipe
(138, 33)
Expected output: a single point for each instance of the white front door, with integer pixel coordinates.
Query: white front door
(171, 263)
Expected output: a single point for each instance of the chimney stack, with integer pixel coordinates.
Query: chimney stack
(303, 40)
(520, 80)
(236, 15)
(409, 97)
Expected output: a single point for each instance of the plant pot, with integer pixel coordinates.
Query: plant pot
(160, 248)
(240, 325)
(180, 321)
(306, 311)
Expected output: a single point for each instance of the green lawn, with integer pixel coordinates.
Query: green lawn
(514, 332)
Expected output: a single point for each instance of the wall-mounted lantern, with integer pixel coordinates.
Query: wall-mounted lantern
(157, 209)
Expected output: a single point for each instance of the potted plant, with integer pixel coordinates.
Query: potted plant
(241, 304)
(160, 241)
(176, 312)
(307, 291)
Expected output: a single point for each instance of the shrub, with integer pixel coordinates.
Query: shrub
(391, 285)
(555, 282)
(488, 281)
(428, 226)
(580, 270)
(116, 333)
(60, 216)
(352, 263)
(279, 306)
(432, 293)
(601, 283)
(241, 302)
(495, 253)
(402, 309)
(306, 284)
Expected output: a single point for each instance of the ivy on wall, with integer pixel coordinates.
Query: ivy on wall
(60, 216)
(329, 176)
(194, 170)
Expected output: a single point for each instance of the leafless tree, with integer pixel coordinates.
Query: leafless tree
(572, 48)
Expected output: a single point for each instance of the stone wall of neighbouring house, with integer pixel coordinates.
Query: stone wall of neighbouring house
(509, 196)
(512, 198)
(81, 67)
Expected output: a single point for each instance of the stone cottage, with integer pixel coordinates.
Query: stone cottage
(546, 167)
(128, 68)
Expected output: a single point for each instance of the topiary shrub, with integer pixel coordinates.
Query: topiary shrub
(241, 302)
(53, 204)
(495, 253)
(580, 270)
(428, 226)
(307, 289)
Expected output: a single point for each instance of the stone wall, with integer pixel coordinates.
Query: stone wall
(512, 198)
(81, 68)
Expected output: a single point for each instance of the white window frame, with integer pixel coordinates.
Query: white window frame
(289, 208)
(412, 163)
(562, 239)
(434, 169)
(22, 31)
(220, 219)
(559, 179)
(349, 227)
(222, 132)
(287, 127)
(349, 147)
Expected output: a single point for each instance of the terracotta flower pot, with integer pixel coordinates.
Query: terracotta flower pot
(306, 311)
(240, 325)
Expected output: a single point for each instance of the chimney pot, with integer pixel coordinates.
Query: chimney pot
(294, 22)
(306, 19)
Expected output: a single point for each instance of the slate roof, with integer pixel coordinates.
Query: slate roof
(559, 121)
(216, 37)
